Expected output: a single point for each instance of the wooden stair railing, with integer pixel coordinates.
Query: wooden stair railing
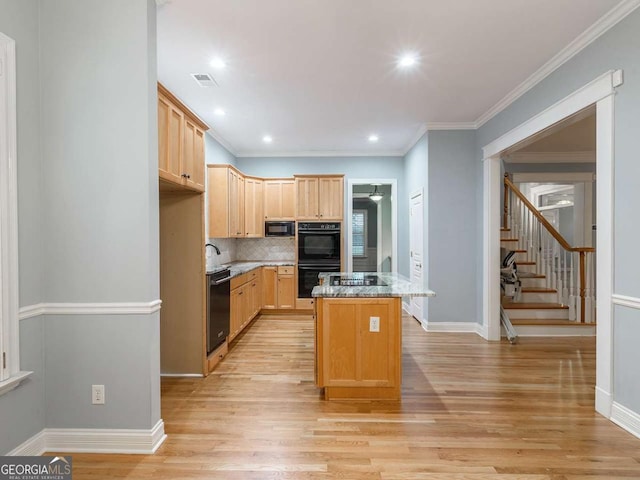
(542, 243)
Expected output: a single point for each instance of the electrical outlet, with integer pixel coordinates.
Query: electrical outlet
(97, 394)
(374, 324)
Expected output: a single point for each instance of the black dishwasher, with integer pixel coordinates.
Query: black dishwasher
(218, 297)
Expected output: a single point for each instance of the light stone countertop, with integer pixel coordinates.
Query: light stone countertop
(238, 268)
(396, 286)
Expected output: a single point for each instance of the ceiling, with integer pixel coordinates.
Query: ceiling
(322, 75)
(576, 137)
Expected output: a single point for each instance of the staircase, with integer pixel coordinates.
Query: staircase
(558, 280)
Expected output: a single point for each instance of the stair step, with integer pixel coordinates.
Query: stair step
(535, 306)
(509, 239)
(505, 229)
(547, 321)
(519, 250)
(525, 262)
(538, 290)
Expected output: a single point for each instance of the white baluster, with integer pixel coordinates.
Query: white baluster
(572, 296)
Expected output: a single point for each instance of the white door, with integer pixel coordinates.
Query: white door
(416, 251)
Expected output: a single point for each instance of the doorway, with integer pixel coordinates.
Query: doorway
(416, 249)
(598, 93)
(371, 225)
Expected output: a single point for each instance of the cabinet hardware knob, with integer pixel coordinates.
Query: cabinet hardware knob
(184, 175)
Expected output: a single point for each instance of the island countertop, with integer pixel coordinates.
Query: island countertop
(395, 286)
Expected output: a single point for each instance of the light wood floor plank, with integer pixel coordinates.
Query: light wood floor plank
(470, 410)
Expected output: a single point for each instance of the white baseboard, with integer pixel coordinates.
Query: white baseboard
(182, 375)
(89, 440)
(33, 446)
(453, 327)
(603, 402)
(113, 308)
(585, 330)
(627, 419)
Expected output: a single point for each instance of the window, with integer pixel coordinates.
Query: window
(10, 374)
(359, 230)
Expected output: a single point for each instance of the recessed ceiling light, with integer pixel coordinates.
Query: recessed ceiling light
(218, 63)
(373, 138)
(267, 139)
(220, 112)
(408, 60)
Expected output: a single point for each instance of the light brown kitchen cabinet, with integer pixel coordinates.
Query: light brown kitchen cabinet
(253, 207)
(319, 197)
(246, 301)
(180, 143)
(279, 199)
(269, 287)
(278, 288)
(225, 197)
(286, 288)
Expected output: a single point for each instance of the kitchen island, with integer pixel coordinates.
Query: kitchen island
(358, 333)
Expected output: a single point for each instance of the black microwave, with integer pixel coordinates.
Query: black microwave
(280, 229)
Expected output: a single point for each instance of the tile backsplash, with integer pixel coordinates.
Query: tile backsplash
(243, 249)
(269, 248)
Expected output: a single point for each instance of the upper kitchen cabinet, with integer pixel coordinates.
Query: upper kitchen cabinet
(253, 207)
(226, 200)
(279, 199)
(319, 197)
(180, 143)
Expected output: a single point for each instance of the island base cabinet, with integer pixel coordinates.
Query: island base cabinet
(353, 360)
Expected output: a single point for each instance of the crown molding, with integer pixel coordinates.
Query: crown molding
(218, 138)
(606, 22)
(314, 153)
(452, 126)
(551, 157)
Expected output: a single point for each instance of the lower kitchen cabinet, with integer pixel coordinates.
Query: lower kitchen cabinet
(286, 288)
(245, 302)
(278, 288)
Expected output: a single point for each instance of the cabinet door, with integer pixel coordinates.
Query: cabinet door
(256, 287)
(254, 224)
(331, 196)
(307, 198)
(288, 200)
(170, 133)
(286, 291)
(236, 204)
(236, 311)
(269, 290)
(218, 200)
(272, 200)
(193, 157)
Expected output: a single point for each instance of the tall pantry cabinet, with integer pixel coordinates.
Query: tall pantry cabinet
(181, 172)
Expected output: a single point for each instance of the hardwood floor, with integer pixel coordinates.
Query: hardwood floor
(470, 410)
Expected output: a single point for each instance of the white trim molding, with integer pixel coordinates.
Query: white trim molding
(453, 327)
(451, 126)
(603, 402)
(626, 418)
(318, 153)
(606, 22)
(9, 284)
(115, 308)
(216, 136)
(551, 157)
(626, 301)
(601, 93)
(182, 375)
(91, 440)
(13, 381)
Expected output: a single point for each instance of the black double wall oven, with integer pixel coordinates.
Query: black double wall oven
(319, 245)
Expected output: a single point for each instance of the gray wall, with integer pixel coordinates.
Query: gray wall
(88, 212)
(100, 208)
(351, 167)
(618, 48)
(22, 411)
(216, 153)
(452, 226)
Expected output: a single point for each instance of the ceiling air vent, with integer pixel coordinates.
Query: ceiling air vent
(204, 79)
